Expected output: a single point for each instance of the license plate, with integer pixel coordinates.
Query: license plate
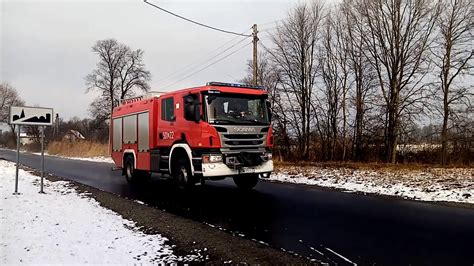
(247, 170)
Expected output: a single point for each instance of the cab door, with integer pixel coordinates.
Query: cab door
(166, 125)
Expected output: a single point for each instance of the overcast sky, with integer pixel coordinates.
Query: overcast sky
(46, 45)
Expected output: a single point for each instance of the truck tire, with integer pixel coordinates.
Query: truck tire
(129, 169)
(134, 175)
(246, 182)
(182, 174)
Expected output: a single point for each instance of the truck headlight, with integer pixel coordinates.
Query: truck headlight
(269, 156)
(212, 158)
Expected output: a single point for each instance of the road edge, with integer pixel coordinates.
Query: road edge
(385, 196)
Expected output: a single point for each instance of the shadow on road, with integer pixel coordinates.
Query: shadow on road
(227, 206)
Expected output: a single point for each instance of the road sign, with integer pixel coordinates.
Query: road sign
(33, 116)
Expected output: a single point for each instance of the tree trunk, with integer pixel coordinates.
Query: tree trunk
(358, 124)
(344, 122)
(392, 137)
(444, 130)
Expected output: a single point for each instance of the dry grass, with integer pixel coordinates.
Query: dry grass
(78, 149)
(367, 166)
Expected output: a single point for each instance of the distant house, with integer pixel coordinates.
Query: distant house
(25, 138)
(73, 136)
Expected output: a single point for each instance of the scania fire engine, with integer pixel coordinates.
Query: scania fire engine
(191, 135)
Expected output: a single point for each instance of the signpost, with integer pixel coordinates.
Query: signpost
(30, 116)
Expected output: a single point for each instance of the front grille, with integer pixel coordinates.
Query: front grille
(244, 142)
(242, 136)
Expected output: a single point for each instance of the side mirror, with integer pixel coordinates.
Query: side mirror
(269, 110)
(197, 112)
(192, 111)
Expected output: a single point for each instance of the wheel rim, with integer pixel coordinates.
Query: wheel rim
(183, 175)
(129, 171)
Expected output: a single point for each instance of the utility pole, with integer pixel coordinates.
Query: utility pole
(255, 64)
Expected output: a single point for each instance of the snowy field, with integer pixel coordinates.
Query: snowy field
(435, 184)
(64, 227)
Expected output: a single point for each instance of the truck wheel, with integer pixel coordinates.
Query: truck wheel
(129, 170)
(182, 174)
(246, 182)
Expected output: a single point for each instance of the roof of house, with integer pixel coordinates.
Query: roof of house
(75, 133)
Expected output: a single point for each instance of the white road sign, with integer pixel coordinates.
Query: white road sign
(38, 116)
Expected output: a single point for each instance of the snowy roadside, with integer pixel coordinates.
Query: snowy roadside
(99, 159)
(65, 227)
(435, 184)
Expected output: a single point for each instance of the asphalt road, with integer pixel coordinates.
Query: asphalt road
(329, 226)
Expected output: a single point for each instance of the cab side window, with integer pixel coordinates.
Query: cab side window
(167, 109)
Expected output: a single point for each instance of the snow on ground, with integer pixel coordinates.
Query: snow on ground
(64, 227)
(99, 159)
(435, 184)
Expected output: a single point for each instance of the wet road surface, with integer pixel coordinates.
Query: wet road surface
(325, 225)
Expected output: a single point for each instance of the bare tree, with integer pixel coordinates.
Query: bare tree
(462, 135)
(119, 71)
(454, 54)
(294, 57)
(398, 35)
(33, 132)
(362, 75)
(331, 105)
(8, 97)
(133, 74)
(97, 107)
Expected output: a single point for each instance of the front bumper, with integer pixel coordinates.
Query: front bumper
(221, 169)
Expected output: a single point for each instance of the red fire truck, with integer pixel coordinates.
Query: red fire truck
(196, 134)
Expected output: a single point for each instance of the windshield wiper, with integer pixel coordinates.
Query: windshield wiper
(223, 120)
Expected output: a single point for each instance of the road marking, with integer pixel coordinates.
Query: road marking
(339, 255)
(313, 249)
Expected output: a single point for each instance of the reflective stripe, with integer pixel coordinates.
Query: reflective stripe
(132, 151)
(188, 151)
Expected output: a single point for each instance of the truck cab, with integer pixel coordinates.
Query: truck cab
(204, 133)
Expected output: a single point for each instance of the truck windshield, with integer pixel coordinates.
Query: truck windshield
(236, 109)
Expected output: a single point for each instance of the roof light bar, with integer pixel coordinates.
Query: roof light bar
(235, 85)
(131, 100)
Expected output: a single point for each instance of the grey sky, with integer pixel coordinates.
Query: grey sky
(46, 45)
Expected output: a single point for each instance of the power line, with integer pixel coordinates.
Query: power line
(271, 22)
(195, 22)
(269, 29)
(268, 50)
(209, 59)
(211, 64)
(200, 62)
(206, 67)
